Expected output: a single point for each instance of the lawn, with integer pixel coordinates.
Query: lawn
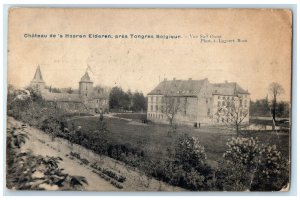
(133, 116)
(155, 140)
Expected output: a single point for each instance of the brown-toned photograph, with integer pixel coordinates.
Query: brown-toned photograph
(170, 100)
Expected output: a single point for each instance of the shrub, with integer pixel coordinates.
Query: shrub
(189, 152)
(273, 170)
(252, 166)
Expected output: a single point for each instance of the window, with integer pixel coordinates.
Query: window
(219, 103)
(162, 108)
(245, 101)
(206, 100)
(156, 108)
(151, 108)
(223, 103)
(151, 99)
(156, 99)
(219, 97)
(178, 100)
(208, 112)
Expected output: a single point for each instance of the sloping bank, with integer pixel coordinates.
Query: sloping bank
(102, 173)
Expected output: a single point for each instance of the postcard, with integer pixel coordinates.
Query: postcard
(139, 99)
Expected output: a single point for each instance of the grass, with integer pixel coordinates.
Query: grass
(133, 116)
(155, 140)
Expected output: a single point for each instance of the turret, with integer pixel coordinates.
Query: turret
(37, 82)
(85, 86)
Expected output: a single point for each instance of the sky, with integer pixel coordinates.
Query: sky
(140, 64)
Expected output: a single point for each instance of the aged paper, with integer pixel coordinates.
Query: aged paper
(149, 99)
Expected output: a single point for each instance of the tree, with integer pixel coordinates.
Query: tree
(118, 99)
(260, 107)
(138, 102)
(251, 165)
(232, 113)
(275, 89)
(170, 107)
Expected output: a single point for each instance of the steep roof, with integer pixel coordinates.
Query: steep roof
(38, 76)
(86, 78)
(178, 87)
(228, 88)
(61, 97)
(193, 88)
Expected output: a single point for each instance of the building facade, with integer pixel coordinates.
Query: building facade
(88, 98)
(197, 102)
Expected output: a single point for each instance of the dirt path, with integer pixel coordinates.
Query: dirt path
(41, 144)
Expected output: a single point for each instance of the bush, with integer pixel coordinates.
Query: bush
(189, 152)
(187, 168)
(252, 166)
(273, 171)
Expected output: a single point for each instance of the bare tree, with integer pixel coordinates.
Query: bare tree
(170, 106)
(232, 113)
(275, 89)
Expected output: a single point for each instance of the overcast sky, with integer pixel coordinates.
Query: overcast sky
(139, 64)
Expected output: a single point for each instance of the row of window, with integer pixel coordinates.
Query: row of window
(157, 99)
(156, 108)
(157, 116)
(223, 103)
(232, 98)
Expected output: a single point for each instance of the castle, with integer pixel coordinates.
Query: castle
(198, 102)
(87, 99)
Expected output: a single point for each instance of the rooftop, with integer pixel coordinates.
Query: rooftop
(193, 87)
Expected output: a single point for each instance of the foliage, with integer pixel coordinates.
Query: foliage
(139, 103)
(261, 108)
(249, 165)
(189, 153)
(26, 171)
(120, 100)
(273, 170)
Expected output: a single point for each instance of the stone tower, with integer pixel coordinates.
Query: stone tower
(37, 82)
(85, 86)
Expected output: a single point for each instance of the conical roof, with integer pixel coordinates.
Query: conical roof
(38, 75)
(85, 78)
